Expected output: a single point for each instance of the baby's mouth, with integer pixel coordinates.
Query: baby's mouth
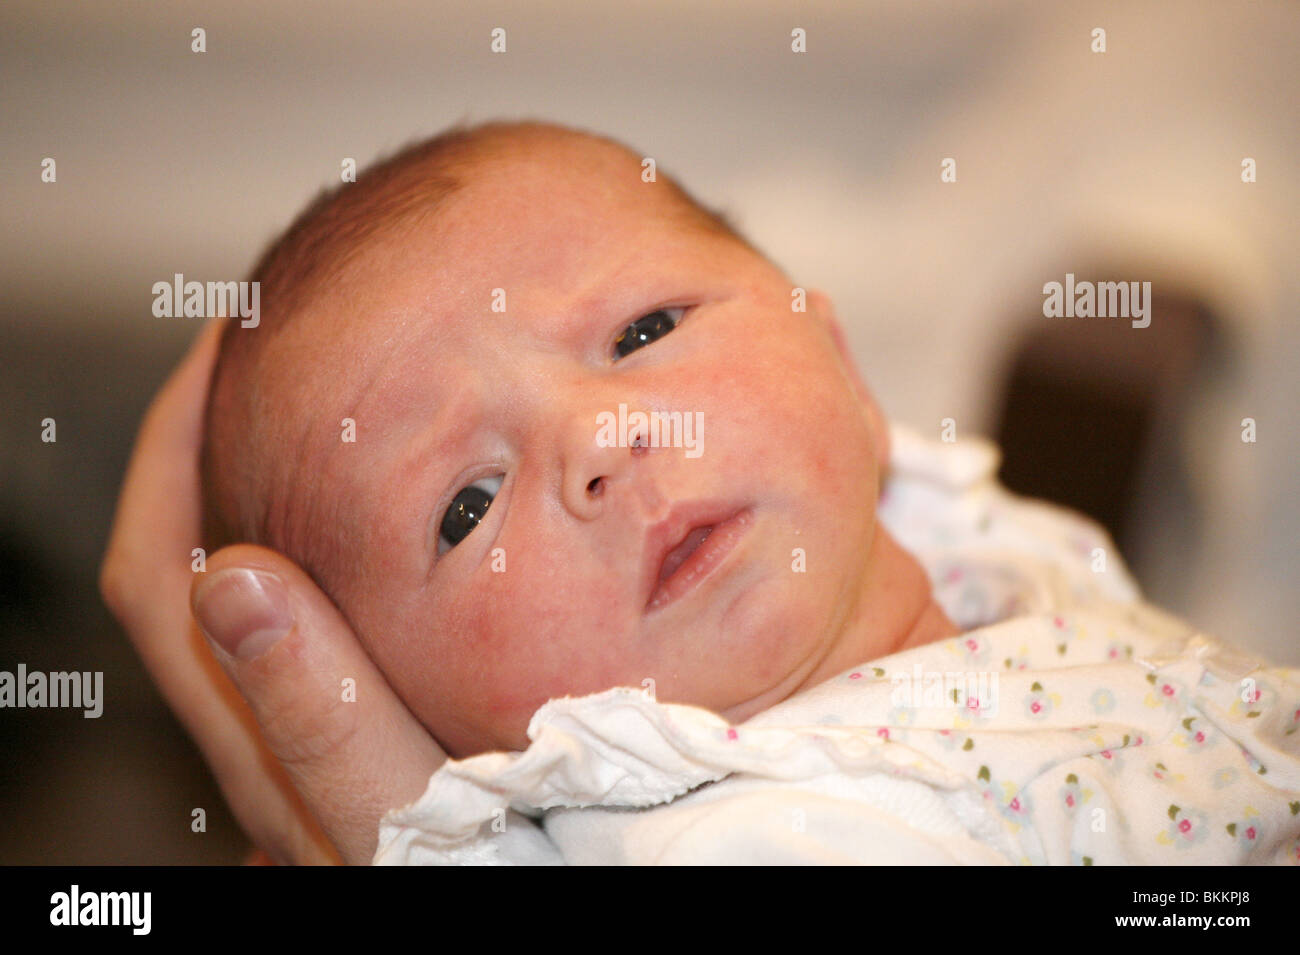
(686, 547)
(677, 556)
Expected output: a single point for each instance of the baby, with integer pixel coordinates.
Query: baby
(422, 419)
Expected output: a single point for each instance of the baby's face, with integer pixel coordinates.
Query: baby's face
(557, 590)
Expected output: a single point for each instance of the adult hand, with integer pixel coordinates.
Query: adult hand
(306, 772)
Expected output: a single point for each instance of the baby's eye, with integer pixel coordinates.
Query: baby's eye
(466, 510)
(646, 329)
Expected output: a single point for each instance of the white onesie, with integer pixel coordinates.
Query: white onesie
(1070, 724)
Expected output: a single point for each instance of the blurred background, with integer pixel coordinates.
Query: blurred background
(1124, 165)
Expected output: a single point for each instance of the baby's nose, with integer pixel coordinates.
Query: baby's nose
(606, 464)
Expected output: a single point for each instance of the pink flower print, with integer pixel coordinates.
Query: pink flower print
(883, 732)
(1187, 827)
(1112, 758)
(1194, 736)
(1119, 651)
(731, 732)
(1166, 692)
(877, 672)
(1246, 831)
(1038, 703)
(1162, 772)
(1066, 633)
(1255, 700)
(975, 648)
(1018, 808)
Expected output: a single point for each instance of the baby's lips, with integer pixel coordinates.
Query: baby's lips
(677, 556)
(675, 541)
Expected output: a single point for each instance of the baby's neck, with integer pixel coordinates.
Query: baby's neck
(895, 610)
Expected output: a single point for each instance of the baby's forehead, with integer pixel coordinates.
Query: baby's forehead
(523, 228)
(538, 225)
(585, 188)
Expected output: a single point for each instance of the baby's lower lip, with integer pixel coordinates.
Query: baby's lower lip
(703, 561)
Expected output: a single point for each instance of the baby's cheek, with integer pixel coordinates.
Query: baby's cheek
(533, 634)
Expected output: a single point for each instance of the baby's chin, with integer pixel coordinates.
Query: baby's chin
(771, 648)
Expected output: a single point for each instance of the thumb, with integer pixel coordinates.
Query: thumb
(352, 749)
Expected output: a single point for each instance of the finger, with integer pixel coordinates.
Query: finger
(256, 786)
(352, 748)
(158, 511)
(145, 581)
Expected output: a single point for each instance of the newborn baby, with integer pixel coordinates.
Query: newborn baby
(488, 551)
(421, 421)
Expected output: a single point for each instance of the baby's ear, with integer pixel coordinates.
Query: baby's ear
(822, 308)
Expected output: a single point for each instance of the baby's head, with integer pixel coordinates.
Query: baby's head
(462, 326)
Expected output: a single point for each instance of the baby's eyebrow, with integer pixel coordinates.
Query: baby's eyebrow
(632, 290)
(430, 448)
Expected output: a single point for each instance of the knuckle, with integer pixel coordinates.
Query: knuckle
(307, 727)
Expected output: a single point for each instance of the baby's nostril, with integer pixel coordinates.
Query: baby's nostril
(596, 486)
